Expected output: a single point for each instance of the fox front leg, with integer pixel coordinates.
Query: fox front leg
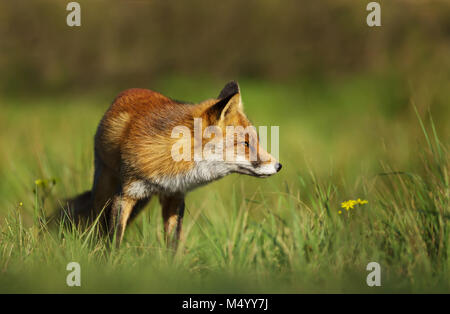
(172, 212)
(120, 212)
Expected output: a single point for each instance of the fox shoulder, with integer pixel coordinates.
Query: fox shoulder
(137, 99)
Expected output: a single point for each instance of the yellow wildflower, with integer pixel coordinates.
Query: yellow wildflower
(348, 204)
(351, 204)
(361, 202)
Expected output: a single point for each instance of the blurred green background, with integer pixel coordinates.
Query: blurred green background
(135, 43)
(342, 93)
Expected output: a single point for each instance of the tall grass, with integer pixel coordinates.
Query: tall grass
(246, 235)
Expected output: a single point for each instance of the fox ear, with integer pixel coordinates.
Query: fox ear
(230, 89)
(221, 109)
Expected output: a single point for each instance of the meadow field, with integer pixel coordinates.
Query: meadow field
(368, 137)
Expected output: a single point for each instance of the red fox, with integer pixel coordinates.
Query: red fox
(134, 157)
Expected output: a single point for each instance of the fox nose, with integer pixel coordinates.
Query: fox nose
(278, 166)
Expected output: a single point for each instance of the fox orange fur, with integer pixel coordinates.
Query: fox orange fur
(133, 158)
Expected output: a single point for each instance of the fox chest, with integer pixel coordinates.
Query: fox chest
(201, 174)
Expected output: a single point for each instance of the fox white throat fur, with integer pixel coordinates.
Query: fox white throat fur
(134, 157)
(203, 172)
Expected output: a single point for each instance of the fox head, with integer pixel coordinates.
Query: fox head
(234, 145)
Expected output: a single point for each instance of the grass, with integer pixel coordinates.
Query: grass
(339, 140)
